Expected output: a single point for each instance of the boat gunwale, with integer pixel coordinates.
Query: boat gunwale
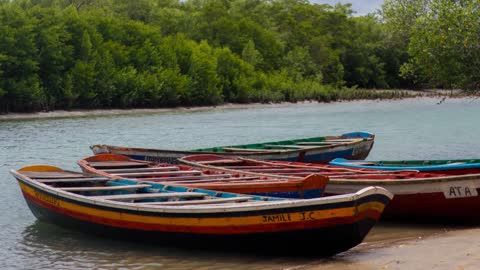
(238, 207)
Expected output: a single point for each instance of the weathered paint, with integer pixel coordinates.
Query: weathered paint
(452, 166)
(419, 195)
(305, 188)
(319, 154)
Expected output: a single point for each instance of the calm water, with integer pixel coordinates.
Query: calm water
(408, 129)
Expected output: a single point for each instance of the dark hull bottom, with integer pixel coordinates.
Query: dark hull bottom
(434, 208)
(309, 242)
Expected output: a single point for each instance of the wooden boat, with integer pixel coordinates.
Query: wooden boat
(183, 216)
(452, 166)
(419, 196)
(355, 145)
(118, 166)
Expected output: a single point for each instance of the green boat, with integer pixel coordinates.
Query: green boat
(354, 145)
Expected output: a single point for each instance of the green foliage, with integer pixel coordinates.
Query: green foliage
(204, 84)
(363, 61)
(444, 44)
(442, 38)
(19, 79)
(237, 78)
(250, 54)
(299, 64)
(66, 54)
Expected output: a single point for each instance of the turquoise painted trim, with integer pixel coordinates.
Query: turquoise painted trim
(347, 163)
(358, 134)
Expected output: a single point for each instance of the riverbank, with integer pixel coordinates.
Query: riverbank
(441, 95)
(437, 249)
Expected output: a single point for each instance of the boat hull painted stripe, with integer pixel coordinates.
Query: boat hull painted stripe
(218, 226)
(327, 240)
(223, 223)
(25, 186)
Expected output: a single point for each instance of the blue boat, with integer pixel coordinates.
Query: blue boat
(451, 166)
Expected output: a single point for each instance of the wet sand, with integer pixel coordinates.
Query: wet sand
(114, 112)
(410, 247)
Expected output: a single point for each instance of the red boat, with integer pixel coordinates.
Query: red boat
(418, 196)
(118, 166)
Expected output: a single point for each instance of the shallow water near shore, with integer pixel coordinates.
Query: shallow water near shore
(405, 129)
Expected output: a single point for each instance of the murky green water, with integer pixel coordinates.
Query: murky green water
(408, 129)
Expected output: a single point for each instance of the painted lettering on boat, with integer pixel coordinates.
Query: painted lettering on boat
(460, 191)
(170, 160)
(276, 218)
(307, 215)
(44, 197)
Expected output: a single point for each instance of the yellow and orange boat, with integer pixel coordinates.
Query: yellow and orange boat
(178, 215)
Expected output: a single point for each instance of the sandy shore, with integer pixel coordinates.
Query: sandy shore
(84, 113)
(457, 249)
(113, 112)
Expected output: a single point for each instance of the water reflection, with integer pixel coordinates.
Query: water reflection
(49, 246)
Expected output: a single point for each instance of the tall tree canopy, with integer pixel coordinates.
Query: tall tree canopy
(442, 38)
(64, 54)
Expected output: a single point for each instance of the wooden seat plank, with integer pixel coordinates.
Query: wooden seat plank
(180, 178)
(157, 173)
(345, 140)
(232, 179)
(206, 201)
(285, 170)
(53, 174)
(316, 143)
(287, 146)
(151, 195)
(354, 176)
(150, 169)
(125, 187)
(74, 180)
(253, 167)
(221, 161)
(232, 149)
(113, 164)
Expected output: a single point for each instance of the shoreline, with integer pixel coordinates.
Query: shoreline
(117, 112)
(450, 249)
(113, 112)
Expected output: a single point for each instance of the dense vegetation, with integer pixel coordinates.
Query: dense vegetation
(64, 54)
